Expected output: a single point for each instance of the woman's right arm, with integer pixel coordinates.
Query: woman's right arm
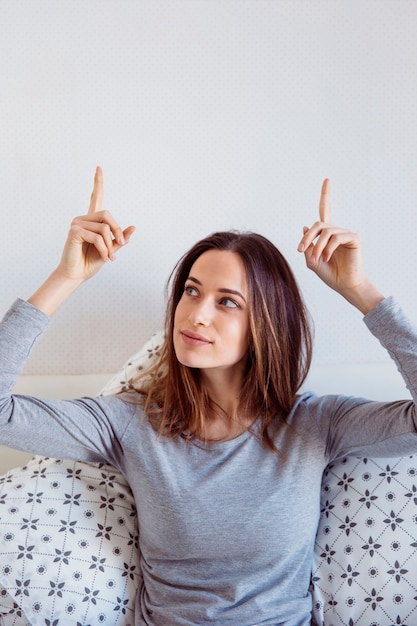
(80, 428)
(93, 239)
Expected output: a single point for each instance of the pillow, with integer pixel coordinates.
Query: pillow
(138, 363)
(10, 610)
(366, 547)
(68, 545)
(69, 536)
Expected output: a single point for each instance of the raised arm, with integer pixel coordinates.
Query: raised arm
(93, 239)
(334, 254)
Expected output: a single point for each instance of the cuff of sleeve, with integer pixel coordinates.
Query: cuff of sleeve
(28, 314)
(378, 313)
(388, 322)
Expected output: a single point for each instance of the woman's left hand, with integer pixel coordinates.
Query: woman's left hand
(335, 255)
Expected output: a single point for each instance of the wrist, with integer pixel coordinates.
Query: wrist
(364, 297)
(53, 292)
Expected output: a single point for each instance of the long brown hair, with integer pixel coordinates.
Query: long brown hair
(280, 345)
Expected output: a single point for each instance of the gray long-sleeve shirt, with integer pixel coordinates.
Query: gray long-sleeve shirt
(226, 529)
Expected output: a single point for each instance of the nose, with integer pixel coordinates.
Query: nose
(202, 313)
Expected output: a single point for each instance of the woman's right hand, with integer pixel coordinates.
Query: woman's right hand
(93, 239)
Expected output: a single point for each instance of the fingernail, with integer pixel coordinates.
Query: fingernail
(301, 247)
(121, 240)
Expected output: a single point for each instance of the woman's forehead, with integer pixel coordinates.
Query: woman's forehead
(223, 267)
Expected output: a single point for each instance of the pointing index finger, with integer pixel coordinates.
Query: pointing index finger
(324, 206)
(96, 200)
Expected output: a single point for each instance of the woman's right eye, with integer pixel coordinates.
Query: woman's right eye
(190, 290)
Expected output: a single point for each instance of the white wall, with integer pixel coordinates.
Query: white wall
(205, 115)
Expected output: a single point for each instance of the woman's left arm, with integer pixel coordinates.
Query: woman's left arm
(355, 425)
(335, 255)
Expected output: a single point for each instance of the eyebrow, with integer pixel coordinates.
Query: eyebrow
(221, 290)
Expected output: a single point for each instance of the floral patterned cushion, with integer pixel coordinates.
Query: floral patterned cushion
(366, 547)
(68, 545)
(136, 364)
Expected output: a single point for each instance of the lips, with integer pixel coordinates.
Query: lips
(194, 339)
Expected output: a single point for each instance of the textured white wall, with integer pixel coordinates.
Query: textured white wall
(205, 115)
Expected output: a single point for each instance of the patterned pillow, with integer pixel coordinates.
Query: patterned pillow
(68, 545)
(69, 536)
(138, 363)
(366, 547)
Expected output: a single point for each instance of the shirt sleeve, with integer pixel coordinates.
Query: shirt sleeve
(398, 336)
(362, 427)
(86, 429)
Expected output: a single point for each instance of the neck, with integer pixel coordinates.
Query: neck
(225, 430)
(225, 421)
(224, 389)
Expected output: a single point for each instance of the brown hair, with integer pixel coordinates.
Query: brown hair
(280, 344)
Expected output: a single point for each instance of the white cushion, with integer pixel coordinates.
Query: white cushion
(136, 364)
(366, 547)
(68, 545)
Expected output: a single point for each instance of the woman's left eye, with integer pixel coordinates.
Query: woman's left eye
(230, 303)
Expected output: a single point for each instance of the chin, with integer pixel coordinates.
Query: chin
(188, 361)
(183, 358)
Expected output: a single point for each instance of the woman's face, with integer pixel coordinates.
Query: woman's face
(211, 324)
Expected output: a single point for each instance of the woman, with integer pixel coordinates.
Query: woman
(225, 459)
